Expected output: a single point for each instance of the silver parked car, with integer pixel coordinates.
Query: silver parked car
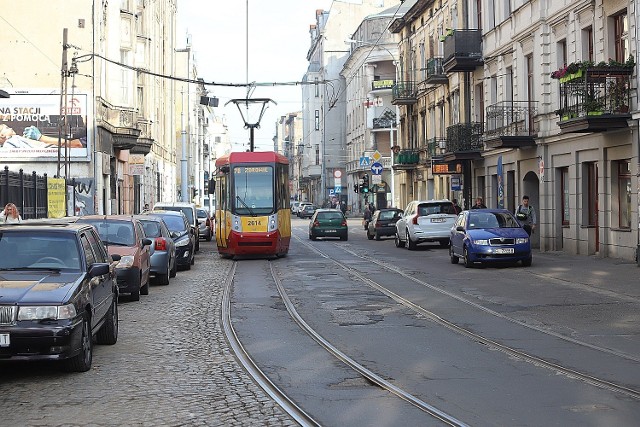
(425, 221)
(163, 249)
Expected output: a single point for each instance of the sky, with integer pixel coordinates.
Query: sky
(278, 41)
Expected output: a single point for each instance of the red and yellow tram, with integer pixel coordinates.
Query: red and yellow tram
(252, 209)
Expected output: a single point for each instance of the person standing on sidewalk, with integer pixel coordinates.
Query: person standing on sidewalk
(10, 214)
(526, 214)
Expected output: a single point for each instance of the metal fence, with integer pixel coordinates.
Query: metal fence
(27, 191)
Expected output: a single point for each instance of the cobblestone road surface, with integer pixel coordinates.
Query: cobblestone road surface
(170, 367)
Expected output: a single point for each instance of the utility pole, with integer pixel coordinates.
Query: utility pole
(63, 82)
(183, 161)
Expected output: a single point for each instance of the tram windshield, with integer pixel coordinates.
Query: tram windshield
(253, 190)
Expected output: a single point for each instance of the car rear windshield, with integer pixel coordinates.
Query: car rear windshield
(329, 215)
(425, 209)
(389, 214)
(187, 211)
(39, 249)
(174, 223)
(114, 232)
(201, 213)
(151, 228)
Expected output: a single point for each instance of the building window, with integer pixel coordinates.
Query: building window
(624, 193)
(124, 74)
(587, 44)
(317, 119)
(564, 194)
(621, 36)
(317, 154)
(316, 83)
(590, 196)
(561, 50)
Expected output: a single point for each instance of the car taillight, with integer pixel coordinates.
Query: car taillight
(344, 223)
(415, 220)
(161, 244)
(208, 223)
(316, 223)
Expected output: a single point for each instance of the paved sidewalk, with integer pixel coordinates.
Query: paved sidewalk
(616, 275)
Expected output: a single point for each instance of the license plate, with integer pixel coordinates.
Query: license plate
(4, 340)
(330, 231)
(504, 251)
(438, 219)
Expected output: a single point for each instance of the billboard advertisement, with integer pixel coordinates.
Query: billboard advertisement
(29, 128)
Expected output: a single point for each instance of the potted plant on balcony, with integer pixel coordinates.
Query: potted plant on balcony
(618, 95)
(593, 106)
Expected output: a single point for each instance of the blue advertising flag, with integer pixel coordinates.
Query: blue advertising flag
(500, 185)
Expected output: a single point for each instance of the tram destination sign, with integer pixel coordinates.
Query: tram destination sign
(446, 168)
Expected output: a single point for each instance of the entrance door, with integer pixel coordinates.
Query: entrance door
(592, 208)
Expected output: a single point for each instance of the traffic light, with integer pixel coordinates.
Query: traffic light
(355, 188)
(365, 183)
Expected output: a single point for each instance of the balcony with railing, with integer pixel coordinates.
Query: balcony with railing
(462, 50)
(145, 140)
(464, 141)
(435, 71)
(511, 124)
(595, 99)
(404, 93)
(436, 147)
(406, 159)
(120, 122)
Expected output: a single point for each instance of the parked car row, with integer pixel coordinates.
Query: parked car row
(62, 279)
(476, 236)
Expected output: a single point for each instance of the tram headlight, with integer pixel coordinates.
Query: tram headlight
(237, 223)
(273, 223)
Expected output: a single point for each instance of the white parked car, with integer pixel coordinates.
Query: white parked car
(425, 221)
(301, 207)
(294, 207)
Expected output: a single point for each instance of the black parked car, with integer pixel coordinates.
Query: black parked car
(183, 236)
(59, 291)
(383, 223)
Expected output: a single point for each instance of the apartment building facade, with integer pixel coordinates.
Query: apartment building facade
(533, 98)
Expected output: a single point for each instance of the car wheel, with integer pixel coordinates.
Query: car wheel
(198, 245)
(465, 256)
(163, 279)
(312, 237)
(369, 236)
(208, 239)
(174, 270)
(135, 295)
(399, 243)
(81, 362)
(344, 237)
(411, 245)
(444, 243)
(144, 289)
(378, 236)
(108, 333)
(454, 257)
(527, 262)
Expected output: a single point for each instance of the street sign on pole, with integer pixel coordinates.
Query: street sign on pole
(364, 161)
(376, 168)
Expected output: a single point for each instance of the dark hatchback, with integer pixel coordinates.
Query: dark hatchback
(383, 223)
(182, 235)
(58, 291)
(328, 223)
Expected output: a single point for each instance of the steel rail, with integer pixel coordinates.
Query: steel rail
(590, 379)
(250, 366)
(369, 375)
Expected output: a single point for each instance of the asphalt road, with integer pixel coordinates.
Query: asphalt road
(172, 364)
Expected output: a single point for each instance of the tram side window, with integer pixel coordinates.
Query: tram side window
(283, 185)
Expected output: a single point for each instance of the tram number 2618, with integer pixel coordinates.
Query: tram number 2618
(254, 223)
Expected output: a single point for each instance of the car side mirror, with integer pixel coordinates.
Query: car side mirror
(459, 228)
(146, 242)
(99, 269)
(116, 257)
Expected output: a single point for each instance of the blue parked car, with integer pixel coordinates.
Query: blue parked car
(489, 235)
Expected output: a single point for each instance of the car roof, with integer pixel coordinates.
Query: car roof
(129, 218)
(176, 204)
(36, 225)
(163, 212)
(492, 210)
(433, 201)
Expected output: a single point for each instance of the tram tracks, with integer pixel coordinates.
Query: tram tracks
(528, 357)
(278, 395)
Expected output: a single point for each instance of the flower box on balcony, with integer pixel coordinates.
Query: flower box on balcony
(572, 76)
